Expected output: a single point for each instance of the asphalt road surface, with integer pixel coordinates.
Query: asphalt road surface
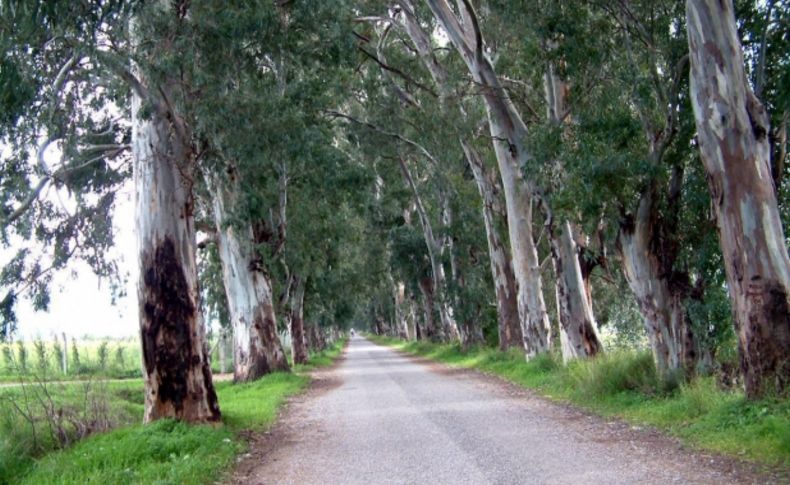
(381, 417)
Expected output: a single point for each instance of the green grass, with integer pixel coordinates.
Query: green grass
(624, 384)
(166, 451)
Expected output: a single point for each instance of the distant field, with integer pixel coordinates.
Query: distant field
(111, 358)
(115, 358)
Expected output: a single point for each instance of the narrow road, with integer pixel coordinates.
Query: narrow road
(389, 419)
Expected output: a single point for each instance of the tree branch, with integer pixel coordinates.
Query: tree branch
(377, 129)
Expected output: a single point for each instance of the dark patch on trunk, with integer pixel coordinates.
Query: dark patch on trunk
(259, 362)
(166, 335)
(766, 365)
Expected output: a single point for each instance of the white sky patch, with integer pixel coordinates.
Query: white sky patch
(81, 304)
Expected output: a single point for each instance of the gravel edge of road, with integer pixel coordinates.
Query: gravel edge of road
(263, 442)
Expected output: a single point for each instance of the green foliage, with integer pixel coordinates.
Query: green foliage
(21, 356)
(103, 355)
(40, 349)
(8, 357)
(58, 352)
(119, 356)
(50, 70)
(76, 364)
(614, 373)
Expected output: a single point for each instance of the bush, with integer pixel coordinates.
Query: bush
(59, 353)
(75, 356)
(8, 358)
(21, 352)
(103, 355)
(614, 373)
(41, 356)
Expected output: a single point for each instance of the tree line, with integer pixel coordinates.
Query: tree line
(509, 171)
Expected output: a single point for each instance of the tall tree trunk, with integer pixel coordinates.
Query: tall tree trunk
(315, 339)
(426, 288)
(256, 346)
(659, 299)
(733, 132)
(175, 356)
(578, 330)
(508, 133)
(449, 327)
(401, 322)
(510, 334)
(296, 320)
(419, 329)
(411, 317)
(501, 270)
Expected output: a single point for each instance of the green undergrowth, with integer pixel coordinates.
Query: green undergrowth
(624, 384)
(165, 451)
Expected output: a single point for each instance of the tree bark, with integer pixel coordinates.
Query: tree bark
(733, 130)
(426, 288)
(315, 340)
(578, 329)
(175, 357)
(401, 322)
(510, 334)
(411, 317)
(256, 346)
(508, 133)
(501, 269)
(660, 300)
(296, 320)
(222, 351)
(449, 328)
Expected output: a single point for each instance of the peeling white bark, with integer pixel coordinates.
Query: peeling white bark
(663, 311)
(733, 130)
(510, 332)
(508, 132)
(449, 327)
(175, 357)
(578, 329)
(256, 346)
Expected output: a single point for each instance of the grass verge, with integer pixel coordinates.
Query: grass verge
(625, 385)
(168, 451)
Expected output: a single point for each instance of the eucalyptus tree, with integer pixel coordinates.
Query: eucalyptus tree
(508, 132)
(102, 66)
(411, 159)
(733, 130)
(648, 238)
(263, 91)
(559, 49)
(621, 153)
(319, 269)
(510, 333)
(236, 89)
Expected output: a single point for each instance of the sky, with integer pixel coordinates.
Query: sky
(81, 303)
